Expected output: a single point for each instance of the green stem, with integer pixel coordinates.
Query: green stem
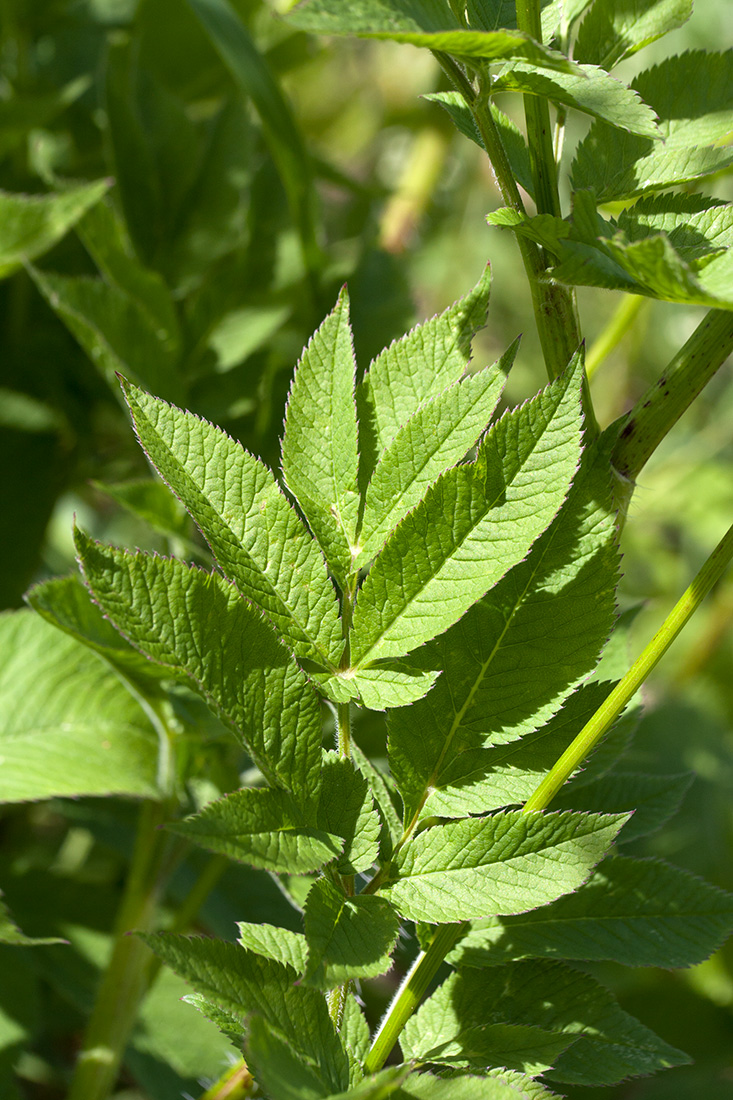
(539, 127)
(411, 992)
(618, 325)
(126, 977)
(609, 711)
(553, 305)
(659, 409)
(234, 1083)
(427, 963)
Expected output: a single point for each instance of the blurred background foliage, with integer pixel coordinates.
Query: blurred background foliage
(240, 192)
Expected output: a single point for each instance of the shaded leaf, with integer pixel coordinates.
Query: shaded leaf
(615, 30)
(31, 224)
(348, 937)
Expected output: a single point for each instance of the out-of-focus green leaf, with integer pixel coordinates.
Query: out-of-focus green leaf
(31, 224)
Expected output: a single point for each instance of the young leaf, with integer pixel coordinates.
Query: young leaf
(693, 97)
(31, 224)
(478, 521)
(439, 435)
(197, 624)
(348, 937)
(346, 809)
(615, 30)
(588, 89)
(609, 1044)
(639, 912)
(68, 726)
(242, 982)
(431, 24)
(507, 863)
(279, 944)
(263, 828)
(256, 536)
(227, 1022)
(320, 446)
(565, 588)
(416, 368)
(387, 684)
(653, 798)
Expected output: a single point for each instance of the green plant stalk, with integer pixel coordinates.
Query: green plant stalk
(411, 992)
(613, 333)
(539, 127)
(659, 409)
(647, 660)
(126, 976)
(234, 1083)
(553, 305)
(446, 936)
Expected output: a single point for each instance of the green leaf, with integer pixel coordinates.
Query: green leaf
(11, 934)
(588, 89)
(66, 603)
(478, 521)
(232, 41)
(320, 456)
(609, 1045)
(256, 536)
(511, 136)
(279, 944)
(227, 1023)
(354, 1031)
(693, 97)
(346, 809)
(287, 1076)
(653, 799)
(348, 937)
(382, 789)
(387, 684)
(639, 912)
(263, 828)
(506, 863)
(616, 29)
(439, 748)
(480, 780)
(197, 624)
(117, 335)
(31, 224)
(500, 1084)
(430, 24)
(438, 436)
(19, 114)
(242, 982)
(68, 725)
(416, 368)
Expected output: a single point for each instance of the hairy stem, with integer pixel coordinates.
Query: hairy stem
(609, 711)
(126, 977)
(659, 409)
(553, 305)
(411, 992)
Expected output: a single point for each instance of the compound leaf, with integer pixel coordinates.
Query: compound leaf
(348, 937)
(693, 97)
(639, 912)
(604, 1044)
(507, 863)
(68, 726)
(320, 454)
(255, 534)
(486, 695)
(197, 624)
(478, 521)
